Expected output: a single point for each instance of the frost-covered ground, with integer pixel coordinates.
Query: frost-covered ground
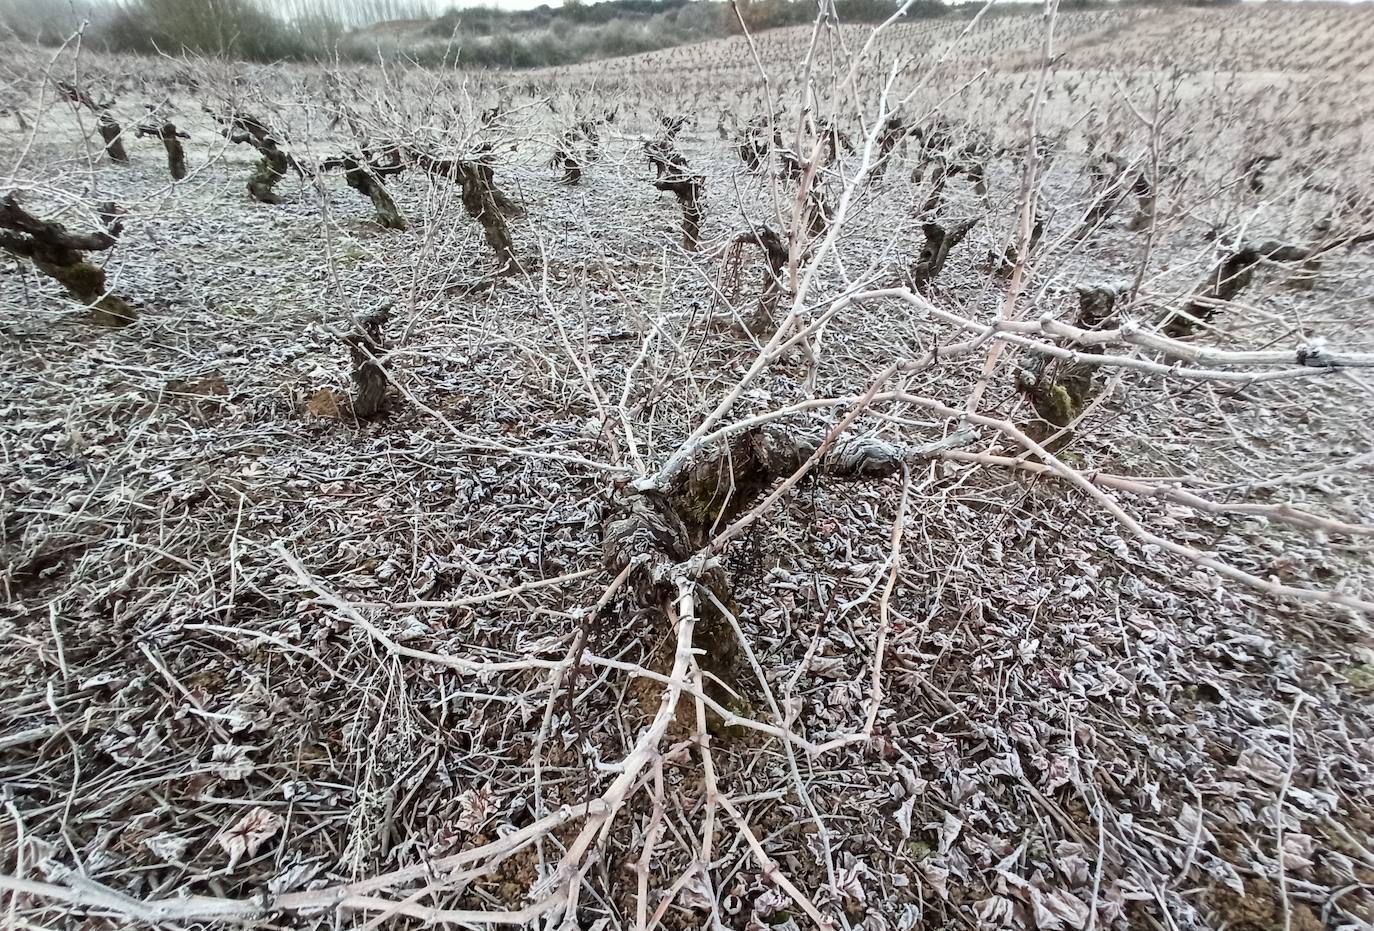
(236, 619)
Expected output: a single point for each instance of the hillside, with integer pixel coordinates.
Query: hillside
(907, 480)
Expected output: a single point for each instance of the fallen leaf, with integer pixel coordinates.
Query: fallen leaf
(904, 816)
(231, 762)
(324, 403)
(476, 806)
(696, 893)
(168, 847)
(249, 834)
(848, 883)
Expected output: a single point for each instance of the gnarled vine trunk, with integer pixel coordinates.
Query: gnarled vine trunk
(60, 255)
(171, 142)
(1059, 389)
(940, 239)
(688, 189)
(482, 200)
(365, 346)
(365, 175)
(1234, 272)
(113, 135)
(657, 529)
(763, 321)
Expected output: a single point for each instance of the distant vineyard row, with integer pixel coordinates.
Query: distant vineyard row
(361, 30)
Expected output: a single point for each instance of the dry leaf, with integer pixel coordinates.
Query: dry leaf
(848, 882)
(231, 762)
(324, 403)
(1056, 908)
(249, 834)
(936, 876)
(168, 847)
(475, 807)
(696, 893)
(949, 832)
(994, 912)
(904, 816)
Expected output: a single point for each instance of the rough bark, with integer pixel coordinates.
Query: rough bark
(1059, 390)
(60, 255)
(673, 174)
(479, 200)
(240, 124)
(1145, 204)
(977, 173)
(665, 158)
(110, 131)
(672, 125)
(895, 129)
(688, 189)
(1003, 264)
(1235, 271)
(365, 346)
(388, 215)
(171, 141)
(1096, 304)
(590, 132)
(79, 97)
(940, 239)
(365, 174)
(763, 320)
(482, 200)
(948, 162)
(577, 146)
(271, 168)
(939, 178)
(1254, 170)
(1111, 182)
(241, 128)
(460, 171)
(113, 135)
(655, 530)
(565, 158)
(753, 146)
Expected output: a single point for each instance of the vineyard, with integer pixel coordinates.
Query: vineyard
(898, 477)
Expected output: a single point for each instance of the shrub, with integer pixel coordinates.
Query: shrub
(46, 21)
